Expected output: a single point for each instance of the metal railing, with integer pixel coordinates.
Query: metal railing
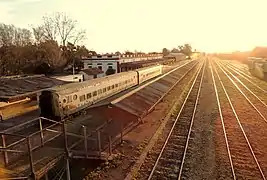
(90, 144)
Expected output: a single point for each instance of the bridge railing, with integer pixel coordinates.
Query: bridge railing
(74, 140)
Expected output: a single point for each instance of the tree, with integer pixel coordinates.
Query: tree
(53, 54)
(67, 29)
(18, 53)
(43, 68)
(49, 28)
(39, 34)
(92, 53)
(165, 51)
(65, 26)
(6, 34)
(174, 50)
(180, 48)
(110, 71)
(79, 36)
(22, 37)
(59, 26)
(127, 52)
(80, 51)
(187, 50)
(11, 35)
(117, 53)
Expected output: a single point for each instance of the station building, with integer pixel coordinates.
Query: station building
(105, 62)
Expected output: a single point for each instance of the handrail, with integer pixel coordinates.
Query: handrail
(14, 127)
(11, 134)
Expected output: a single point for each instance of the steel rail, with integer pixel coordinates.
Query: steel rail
(240, 125)
(192, 121)
(239, 70)
(244, 86)
(223, 125)
(263, 90)
(263, 117)
(174, 124)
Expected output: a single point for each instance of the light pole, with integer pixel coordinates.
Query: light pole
(73, 61)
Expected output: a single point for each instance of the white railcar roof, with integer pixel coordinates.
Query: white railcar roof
(149, 68)
(72, 87)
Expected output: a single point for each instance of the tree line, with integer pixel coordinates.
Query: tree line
(186, 49)
(260, 52)
(52, 45)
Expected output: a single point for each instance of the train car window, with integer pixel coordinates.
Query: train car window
(100, 91)
(82, 97)
(69, 99)
(104, 90)
(112, 86)
(89, 95)
(116, 85)
(125, 82)
(94, 93)
(75, 97)
(108, 88)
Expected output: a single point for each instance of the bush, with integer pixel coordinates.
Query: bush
(110, 71)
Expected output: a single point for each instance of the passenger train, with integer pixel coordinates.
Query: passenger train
(258, 67)
(65, 100)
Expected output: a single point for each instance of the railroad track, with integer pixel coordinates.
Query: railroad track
(246, 77)
(244, 152)
(171, 160)
(255, 98)
(243, 72)
(253, 90)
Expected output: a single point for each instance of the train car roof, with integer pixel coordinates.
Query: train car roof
(91, 82)
(149, 67)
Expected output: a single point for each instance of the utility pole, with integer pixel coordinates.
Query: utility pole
(73, 62)
(73, 70)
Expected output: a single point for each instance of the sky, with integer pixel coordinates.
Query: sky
(150, 25)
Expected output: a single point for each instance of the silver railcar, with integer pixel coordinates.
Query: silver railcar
(147, 73)
(68, 99)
